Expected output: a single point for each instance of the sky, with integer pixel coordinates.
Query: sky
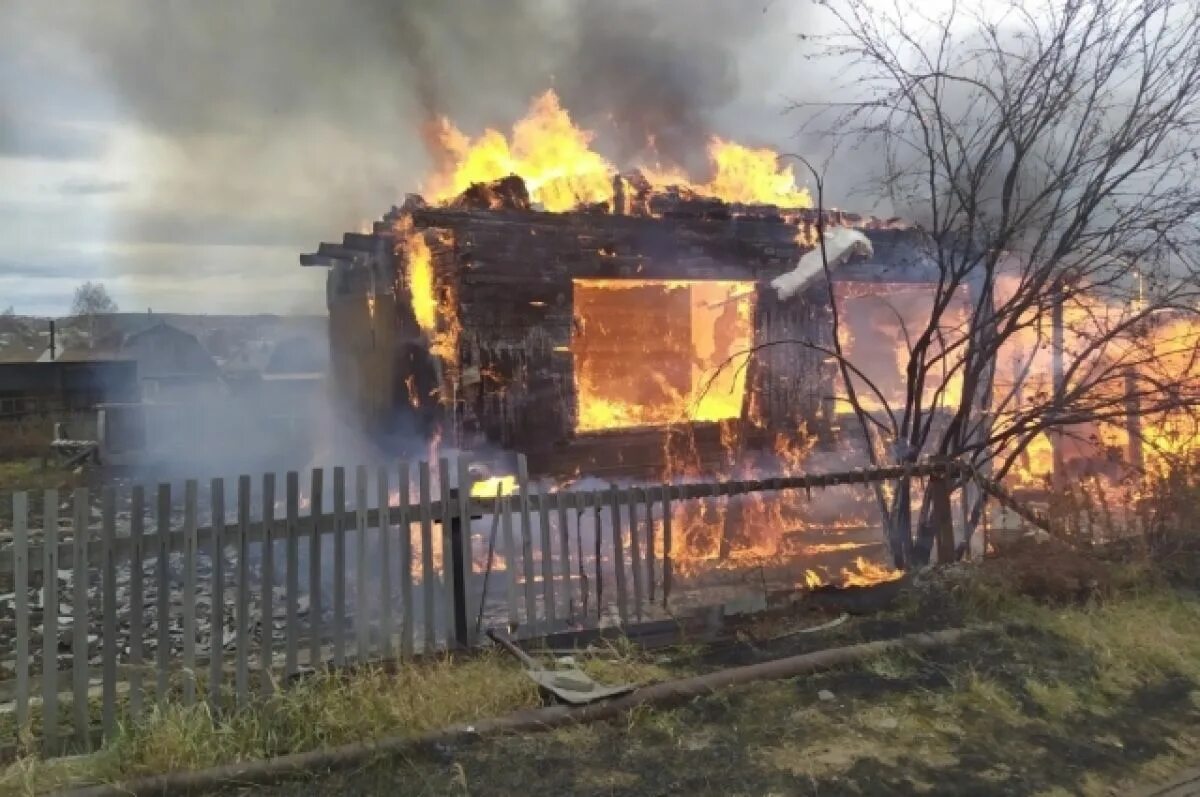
(185, 153)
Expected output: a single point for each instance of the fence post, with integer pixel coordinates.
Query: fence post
(339, 567)
(108, 605)
(667, 563)
(79, 617)
(189, 591)
(407, 622)
(428, 579)
(270, 532)
(162, 652)
(137, 519)
(386, 627)
(362, 623)
(291, 555)
(316, 499)
(449, 563)
(241, 678)
(216, 624)
(50, 622)
(20, 503)
(460, 543)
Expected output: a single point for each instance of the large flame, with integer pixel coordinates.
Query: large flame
(554, 157)
(547, 150)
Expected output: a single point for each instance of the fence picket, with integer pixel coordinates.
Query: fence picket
(510, 561)
(79, 617)
(189, 592)
(216, 625)
(361, 604)
(651, 578)
(20, 507)
(50, 622)
(618, 555)
(266, 623)
(428, 585)
(162, 651)
(241, 678)
(108, 641)
(316, 499)
(447, 574)
(551, 615)
(407, 623)
(579, 503)
(666, 564)
(465, 483)
(291, 630)
(561, 501)
(137, 625)
(596, 500)
(386, 629)
(339, 567)
(635, 553)
(531, 618)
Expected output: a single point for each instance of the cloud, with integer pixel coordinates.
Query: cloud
(83, 186)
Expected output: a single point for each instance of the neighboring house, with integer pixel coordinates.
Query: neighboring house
(36, 395)
(172, 364)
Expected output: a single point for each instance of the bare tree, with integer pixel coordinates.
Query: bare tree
(1047, 152)
(92, 302)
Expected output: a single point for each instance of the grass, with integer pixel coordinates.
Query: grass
(1086, 699)
(322, 711)
(1074, 699)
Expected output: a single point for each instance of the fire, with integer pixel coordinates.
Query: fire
(547, 150)
(507, 485)
(555, 159)
(745, 174)
(657, 352)
(867, 573)
(421, 291)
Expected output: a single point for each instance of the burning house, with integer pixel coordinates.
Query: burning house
(601, 320)
(587, 338)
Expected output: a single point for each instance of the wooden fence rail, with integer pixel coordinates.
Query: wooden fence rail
(222, 598)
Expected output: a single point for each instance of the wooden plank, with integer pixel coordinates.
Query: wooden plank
(189, 591)
(667, 564)
(510, 561)
(339, 567)
(407, 622)
(465, 483)
(79, 617)
(362, 623)
(531, 616)
(108, 604)
(651, 577)
(619, 556)
(266, 651)
(580, 504)
(316, 497)
(162, 618)
(137, 625)
(551, 615)
(635, 552)
(564, 553)
(50, 622)
(216, 625)
(428, 578)
(291, 629)
(447, 574)
(386, 626)
(596, 500)
(20, 509)
(241, 677)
